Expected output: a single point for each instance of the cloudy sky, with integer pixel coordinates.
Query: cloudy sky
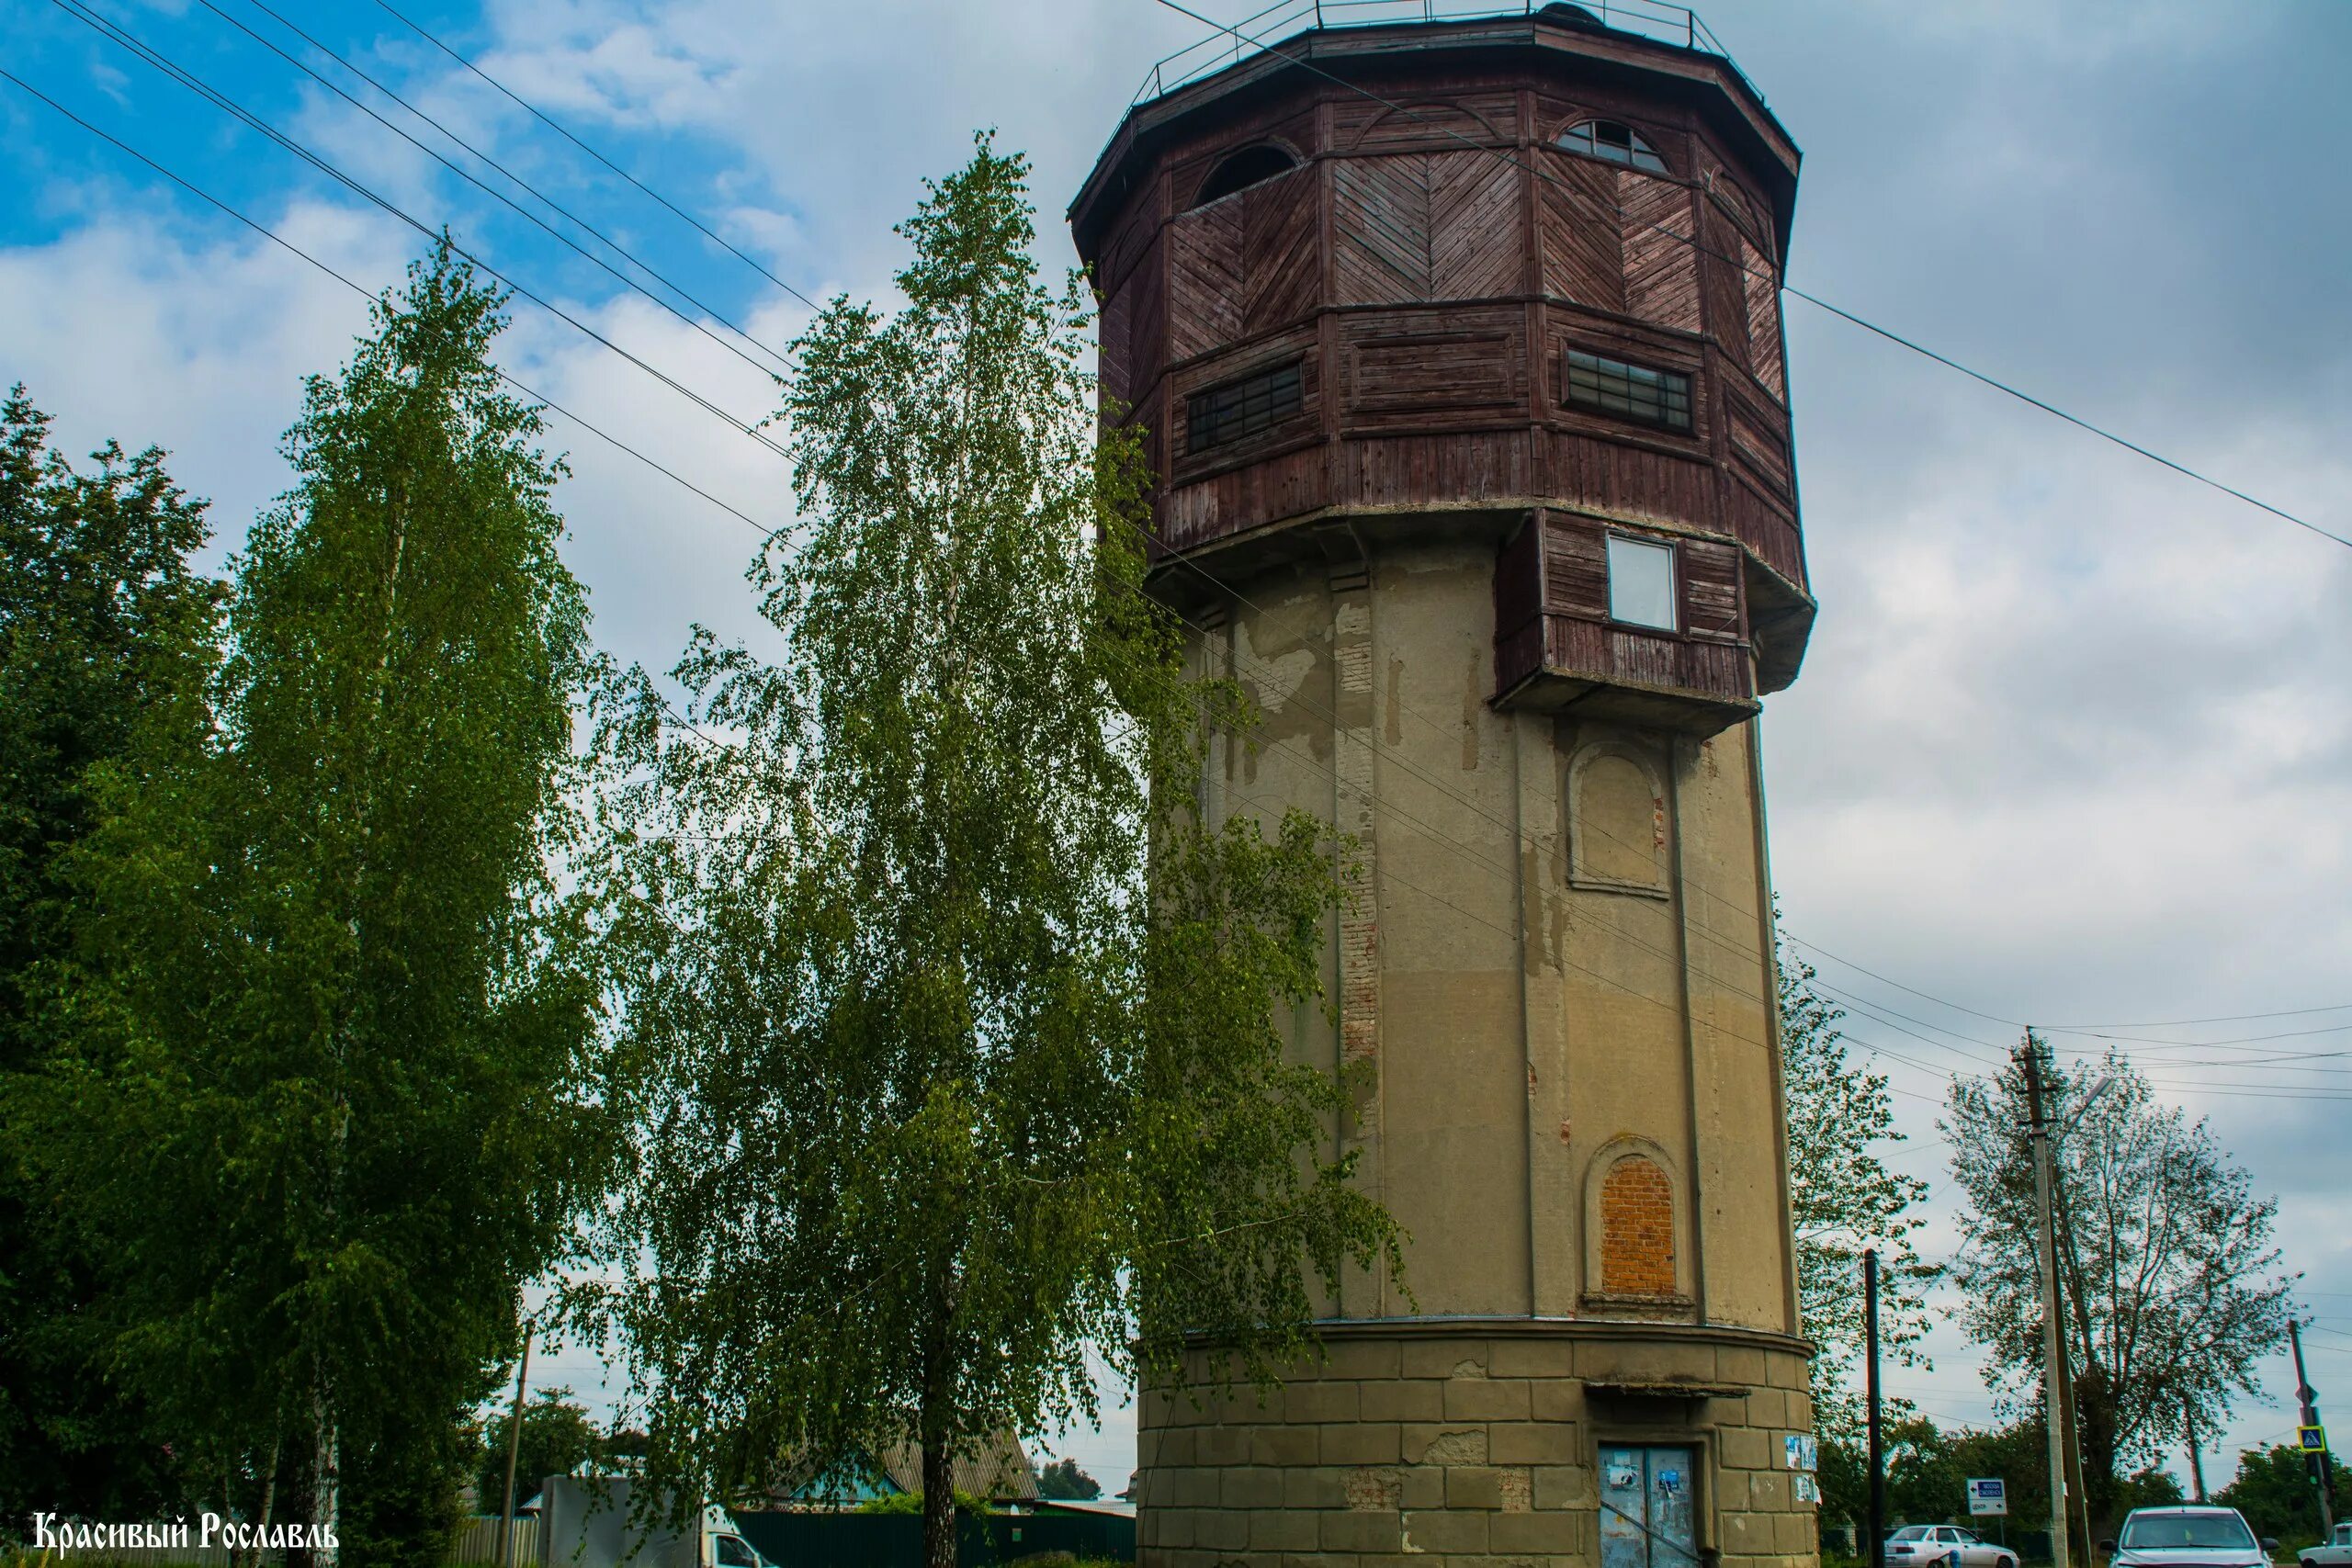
(2073, 741)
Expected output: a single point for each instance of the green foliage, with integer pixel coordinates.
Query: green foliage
(559, 1437)
(325, 985)
(1063, 1480)
(1928, 1469)
(102, 622)
(403, 1495)
(911, 1503)
(1843, 1201)
(2274, 1490)
(950, 1039)
(2169, 1270)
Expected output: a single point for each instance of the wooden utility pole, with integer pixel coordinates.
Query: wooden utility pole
(1877, 1555)
(2053, 1374)
(514, 1451)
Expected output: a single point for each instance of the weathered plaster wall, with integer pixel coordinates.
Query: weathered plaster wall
(1558, 969)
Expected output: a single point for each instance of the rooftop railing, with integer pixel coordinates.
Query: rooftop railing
(1268, 30)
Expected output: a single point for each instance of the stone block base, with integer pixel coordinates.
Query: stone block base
(1482, 1442)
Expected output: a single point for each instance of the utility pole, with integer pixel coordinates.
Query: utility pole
(1877, 1555)
(2317, 1462)
(2054, 1376)
(514, 1451)
(2196, 1460)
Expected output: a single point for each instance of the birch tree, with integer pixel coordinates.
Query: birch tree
(2169, 1273)
(324, 990)
(951, 1045)
(1844, 1199)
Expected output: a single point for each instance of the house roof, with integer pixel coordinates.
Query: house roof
(998, 1469)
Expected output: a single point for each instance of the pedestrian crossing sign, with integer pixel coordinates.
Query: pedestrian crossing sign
(2314, 1440)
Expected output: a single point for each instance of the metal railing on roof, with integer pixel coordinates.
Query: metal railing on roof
(1258, 32)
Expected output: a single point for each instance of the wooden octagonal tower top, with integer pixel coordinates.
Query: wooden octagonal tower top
(1514, 277)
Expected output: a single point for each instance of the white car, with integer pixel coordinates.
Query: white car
(2188, 1538)
(2336, 1554)
(1944, 1546)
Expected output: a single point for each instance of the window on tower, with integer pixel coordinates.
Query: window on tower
(1227, 414)
(1613, 143)
(1640, 582)
(1252, 165)
(1634, 391)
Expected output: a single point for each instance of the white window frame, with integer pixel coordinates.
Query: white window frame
(1673, 623)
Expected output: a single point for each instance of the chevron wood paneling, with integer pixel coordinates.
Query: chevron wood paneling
(1425, 226)
(1575, 215)
(1114, 342)
(1726, 290)
(1764, 320)
(1380, 230)
(1137, 226)
(1475, 244)
(1204, 279)
(1147, 287)
(1661, 267)
(1278, 251)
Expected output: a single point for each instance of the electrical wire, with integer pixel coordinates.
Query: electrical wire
(1693, 240)
(361, 289)
(617, 248)
(1747, 955)
(552, 125)
(672, 207)
(163, 64)
(168, 67)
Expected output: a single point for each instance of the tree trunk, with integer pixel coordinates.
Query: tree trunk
(938, 1453)
(251, 1556)
(326, 1481)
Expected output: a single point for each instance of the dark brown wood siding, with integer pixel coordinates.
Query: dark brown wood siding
(1429, 266)
(1706, 655)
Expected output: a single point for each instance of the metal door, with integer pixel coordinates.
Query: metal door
(1646, 1507)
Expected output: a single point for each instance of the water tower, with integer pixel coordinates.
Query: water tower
(1458, 348)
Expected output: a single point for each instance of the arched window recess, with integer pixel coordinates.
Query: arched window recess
(1612, 142)
(1249, 166)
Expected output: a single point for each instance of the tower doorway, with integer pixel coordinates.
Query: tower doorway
(1646, 1506)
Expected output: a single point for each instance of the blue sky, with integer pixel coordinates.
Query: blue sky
(2073, 741)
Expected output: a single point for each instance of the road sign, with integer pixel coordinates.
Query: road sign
(1988, 1495)
(2314, 1438)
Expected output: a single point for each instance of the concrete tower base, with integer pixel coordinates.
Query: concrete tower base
(1490, 1441)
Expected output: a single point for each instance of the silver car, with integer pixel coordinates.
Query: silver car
(2188, 1538)
(1944, 1546)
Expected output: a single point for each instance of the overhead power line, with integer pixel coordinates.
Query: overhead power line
(361, 289)
(163, 65)
(1459, 850)
(617, 248)
(1259, 41)
(558, 128)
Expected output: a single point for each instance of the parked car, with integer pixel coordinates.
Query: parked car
(2188, 1538)
(1929, 1546)
(2336, 1554)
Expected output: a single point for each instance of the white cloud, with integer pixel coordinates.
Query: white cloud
(2075, 736)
